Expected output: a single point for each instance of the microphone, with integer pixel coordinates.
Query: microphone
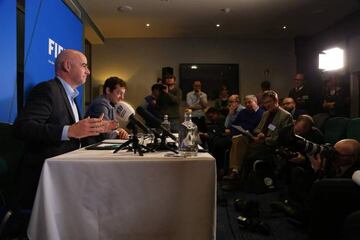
(125, 112)
(154, 121)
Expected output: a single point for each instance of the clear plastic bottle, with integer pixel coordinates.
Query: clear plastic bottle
(188, 136)
(166, 123)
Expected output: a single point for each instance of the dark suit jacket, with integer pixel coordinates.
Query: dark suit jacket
(46, 112)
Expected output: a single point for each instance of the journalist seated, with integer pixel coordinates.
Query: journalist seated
(246, 149)
(105, 105)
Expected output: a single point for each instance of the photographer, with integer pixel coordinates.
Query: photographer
(333, 195)
(169, 102)
(334, 198)
(151, 101)
(297, 168)
(341, 164)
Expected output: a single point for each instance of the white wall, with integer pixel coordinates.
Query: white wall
(139, 61)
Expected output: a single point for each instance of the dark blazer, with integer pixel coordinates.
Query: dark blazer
(46, 112)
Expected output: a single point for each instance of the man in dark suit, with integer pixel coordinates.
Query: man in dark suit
(289, 105)
(50, 123)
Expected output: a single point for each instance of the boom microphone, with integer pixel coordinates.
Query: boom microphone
(125, 112)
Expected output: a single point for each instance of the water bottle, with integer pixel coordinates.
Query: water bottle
(166, 123)
(188, 136)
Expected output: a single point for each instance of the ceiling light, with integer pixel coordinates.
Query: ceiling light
(125, 8)
(284, 27)
(148, 25)
(194, 67)
(217, 25)
(226, 10)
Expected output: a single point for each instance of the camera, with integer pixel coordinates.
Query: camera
(285, 153)
(296, 143)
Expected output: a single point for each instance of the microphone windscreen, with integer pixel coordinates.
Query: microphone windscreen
(123, 111)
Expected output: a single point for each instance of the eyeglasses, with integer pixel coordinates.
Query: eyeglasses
(268, 101)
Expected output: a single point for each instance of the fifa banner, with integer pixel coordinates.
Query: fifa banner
(50, 27)
(8, 89)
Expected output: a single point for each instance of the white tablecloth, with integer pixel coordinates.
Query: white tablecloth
(95, 194)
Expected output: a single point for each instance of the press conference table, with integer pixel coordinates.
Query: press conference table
(95, 194)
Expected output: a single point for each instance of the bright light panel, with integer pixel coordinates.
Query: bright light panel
(331, 59)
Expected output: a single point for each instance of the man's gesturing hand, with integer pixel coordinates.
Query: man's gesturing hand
(86, 127)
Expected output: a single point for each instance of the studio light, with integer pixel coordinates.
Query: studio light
(331, 59)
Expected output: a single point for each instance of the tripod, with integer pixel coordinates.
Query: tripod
(163, 146)
(135, 145)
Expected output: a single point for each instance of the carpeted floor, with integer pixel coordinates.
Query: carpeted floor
(228, 228)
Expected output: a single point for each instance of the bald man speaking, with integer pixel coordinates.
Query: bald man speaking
(50, 123)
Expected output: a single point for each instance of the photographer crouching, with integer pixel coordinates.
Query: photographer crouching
(336, 196)
(333, 195)
(296, 166)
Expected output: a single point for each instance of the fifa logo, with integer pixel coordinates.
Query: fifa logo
(54, 48)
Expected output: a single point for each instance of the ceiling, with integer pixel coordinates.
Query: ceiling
(198, 18)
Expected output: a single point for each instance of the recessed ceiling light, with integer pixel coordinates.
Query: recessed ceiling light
(217, 25)
(226, 10)
(284, 27)
(194, 67)
(148, 25)
(125, 8)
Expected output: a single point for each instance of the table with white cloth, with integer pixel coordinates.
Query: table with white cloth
(95, 194)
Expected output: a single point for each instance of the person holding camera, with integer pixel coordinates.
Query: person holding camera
(169, 102)
(151, 103)
(341, 163)
(336, 196)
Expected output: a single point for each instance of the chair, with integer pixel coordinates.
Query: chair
(320, 120)
(11, 154)
(353, 129)
(335, 129)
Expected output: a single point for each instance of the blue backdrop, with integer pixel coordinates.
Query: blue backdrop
(50, 26)
(8, 89)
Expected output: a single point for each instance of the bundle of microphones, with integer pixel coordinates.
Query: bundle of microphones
(124, 112)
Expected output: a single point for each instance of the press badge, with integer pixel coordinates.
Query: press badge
(272, 127)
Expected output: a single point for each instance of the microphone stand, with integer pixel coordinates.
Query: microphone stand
(162, 145)
(134, 141)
